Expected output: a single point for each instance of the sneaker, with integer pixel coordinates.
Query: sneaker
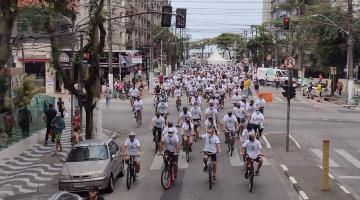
(205, 168)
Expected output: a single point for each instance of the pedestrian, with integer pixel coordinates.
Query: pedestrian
(107, 93)
(76, 119)
(58, 124)
(61, 106)
(50, 114)
(94, 194)
(76, 136)
(8, 123)
(120, 88)
(141, 87)
(256, 85)
(161, 78)
(339, 87)
(24, 120)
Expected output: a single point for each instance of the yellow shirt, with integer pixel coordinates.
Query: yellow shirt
(247, 83)
(318, 88)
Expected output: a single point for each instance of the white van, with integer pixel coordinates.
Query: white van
(269, 74)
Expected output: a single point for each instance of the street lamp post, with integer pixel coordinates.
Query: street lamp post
(350, 47)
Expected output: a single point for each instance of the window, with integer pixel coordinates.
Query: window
(115, 146)
(87, 153)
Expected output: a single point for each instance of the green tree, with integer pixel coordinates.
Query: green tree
(225, 41)
(24, 92)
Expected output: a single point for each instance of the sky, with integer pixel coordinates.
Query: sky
(209, 18)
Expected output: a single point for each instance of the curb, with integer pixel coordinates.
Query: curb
(294, 183)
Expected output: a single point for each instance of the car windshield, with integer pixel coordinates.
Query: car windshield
(87, 153)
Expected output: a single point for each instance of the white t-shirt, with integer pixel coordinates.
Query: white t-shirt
(162, 107)
(132, 146)
(195, 112)
(138, 105)
(210, 125)
(133, 92)
(177, 92)
(230, 122)
(257, 118)
(211, 110)
(250, 109)
(245, 135)
(198, 100)
(253, 149)
(186, 128)
(183, 116)
(236, 99)
(239, 112)
(210, 142)
(260, 103)
(170, 142)
(158, 121)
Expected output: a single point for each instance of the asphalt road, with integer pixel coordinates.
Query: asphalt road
(191, 182)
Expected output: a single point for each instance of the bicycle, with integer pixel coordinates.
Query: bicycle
(209, 168)
(157, 142)
(130, 173)
(168, 173)
(231, 141)
(137, 117)
(187, 149)
(196, 128)
(249, 164)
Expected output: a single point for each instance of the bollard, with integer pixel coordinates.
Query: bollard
(325, 168)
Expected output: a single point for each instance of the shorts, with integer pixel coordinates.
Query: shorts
(240, 120)
(57, 137)
(257, 159)
(212, 155)
(171, 155)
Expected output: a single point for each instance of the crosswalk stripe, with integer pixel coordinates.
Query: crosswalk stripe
(235, 159)
(348, 157)
(319, 154)
(279, 99)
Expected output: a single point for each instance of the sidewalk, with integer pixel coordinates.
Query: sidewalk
(303, 172)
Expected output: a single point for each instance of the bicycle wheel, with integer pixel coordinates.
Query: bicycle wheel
(166, 178)
(210, 176)
(251, 179)
(128, 177)
(187, 151)
(156, 143)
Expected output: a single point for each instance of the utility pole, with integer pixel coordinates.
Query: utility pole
(161, 56)
(110, 56)
(80, 77)
(350, 59)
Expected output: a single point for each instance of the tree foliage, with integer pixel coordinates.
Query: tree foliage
(24, 92)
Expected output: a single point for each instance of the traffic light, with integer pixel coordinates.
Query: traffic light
(289, 91)
(180, 18)
(166, 16)
(286, 23)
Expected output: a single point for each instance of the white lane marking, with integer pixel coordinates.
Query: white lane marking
(344, 189)
(319, 154)
(23, 190)
(350, 177)
(354, 161)
(45, 147)
(296, 142)
(284, 168)
(182, 163)
(41, 151)
(235, 160)
(25, 180)
(330, 175)
(301, 100)
(157, 163)
(267, 143)
(279, 99)
(292, 180)
(7, 192)
(303, 195)
(36, 176)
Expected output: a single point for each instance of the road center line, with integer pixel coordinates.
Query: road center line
(344, 189)
(350, 177)
(284, 168)
(267, 143)
(303, 195)
(157, 163)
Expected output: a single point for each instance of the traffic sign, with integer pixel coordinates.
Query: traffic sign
(290, 62)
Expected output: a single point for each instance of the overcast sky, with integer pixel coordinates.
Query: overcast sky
(209, 18)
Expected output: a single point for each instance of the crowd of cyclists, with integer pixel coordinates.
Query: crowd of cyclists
(200, 92)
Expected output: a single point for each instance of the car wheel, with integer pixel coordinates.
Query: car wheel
(110, 187)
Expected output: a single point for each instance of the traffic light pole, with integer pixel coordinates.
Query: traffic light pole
(290, 82)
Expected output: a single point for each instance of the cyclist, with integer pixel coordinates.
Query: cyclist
(138, 107)
(185, 113)
(132, 148)
(257, 120)
(163, 108)
(240, 116)
(210, 123)
(187, 132)
(211, 110)
(230, 124)
(170, 128)
(134, 93)
(210, 149)
(245, 133)
(214, 102)
(260, 103)
(253, 150)
(178, 92)
(196, 99)
(196, 117)
(170, 144)
(250, 109)
(157, 125)
(236, 98)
